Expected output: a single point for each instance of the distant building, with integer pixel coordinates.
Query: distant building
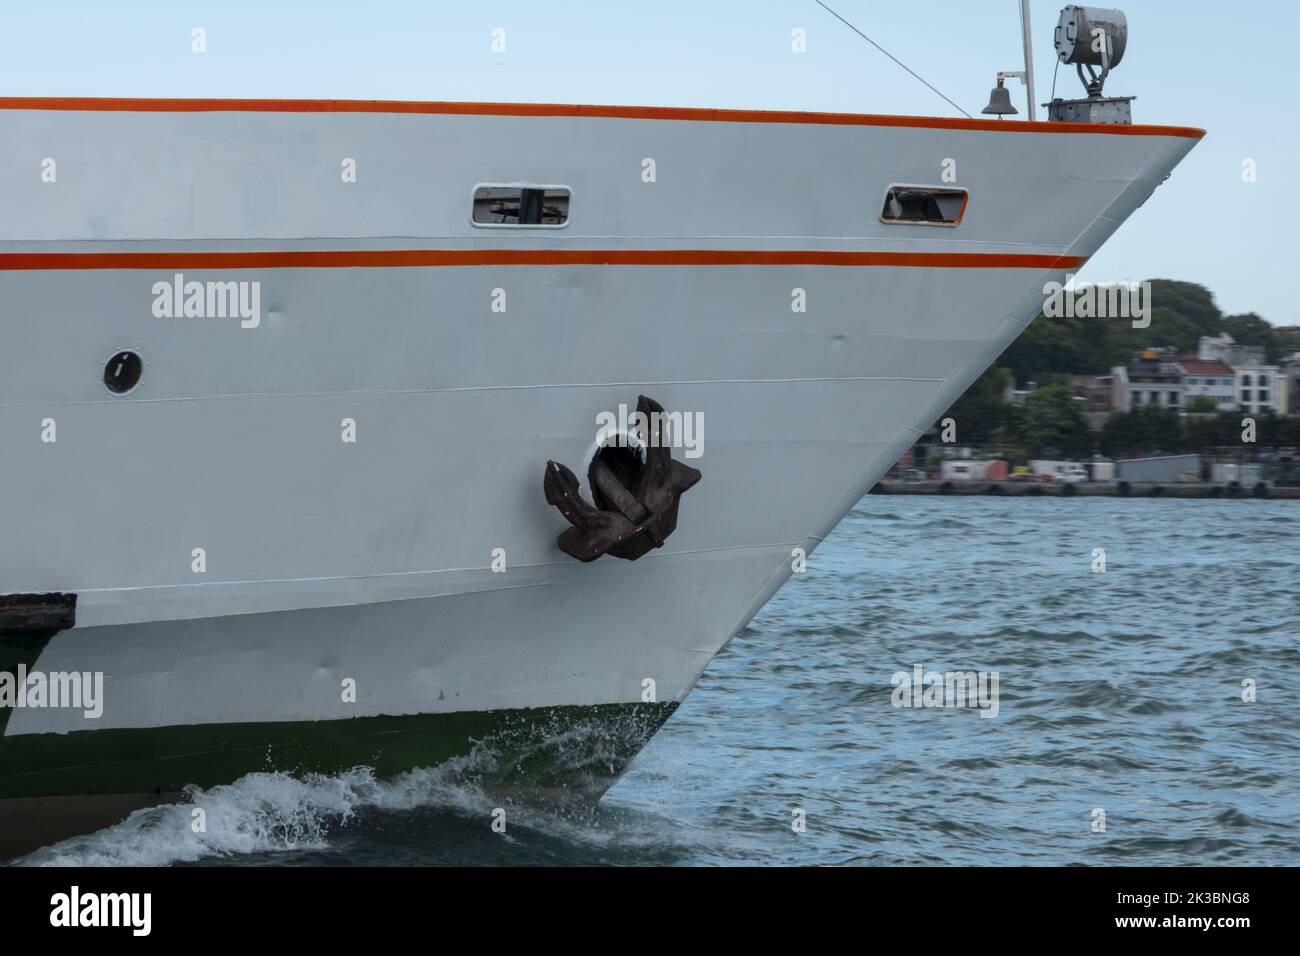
(1255, 381)
(1224, 348)
(1211, 378)
(1095, 395)
(1258, 388)
(1094, 390)
(1016, 396)
(1289, 377)
(1152, 377)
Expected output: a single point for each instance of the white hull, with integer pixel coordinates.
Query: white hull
(371, 560)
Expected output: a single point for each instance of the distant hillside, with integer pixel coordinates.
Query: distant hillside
(1181, 313)
(1050, 423)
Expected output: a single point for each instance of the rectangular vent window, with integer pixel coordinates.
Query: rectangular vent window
(521, 206)
(924, 205)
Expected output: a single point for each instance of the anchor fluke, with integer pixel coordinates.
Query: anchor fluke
(637, 493)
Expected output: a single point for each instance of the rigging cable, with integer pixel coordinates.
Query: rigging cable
(890, 55)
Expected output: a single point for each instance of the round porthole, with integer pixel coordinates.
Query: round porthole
(122, 373)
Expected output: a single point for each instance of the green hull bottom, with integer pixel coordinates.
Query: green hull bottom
(569, 752)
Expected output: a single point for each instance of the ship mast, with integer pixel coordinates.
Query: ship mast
(1026, 34)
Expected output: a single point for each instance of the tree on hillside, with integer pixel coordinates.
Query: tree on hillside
(1190, 300)
(1055, 345)
(1143, 431)
(1288, 342)
(1181, 312)
(981, 412)
(1250, 329)
(1222, 430)
(1051, 349)
(1053, 425)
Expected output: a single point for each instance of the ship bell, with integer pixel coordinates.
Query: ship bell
(1000, 101)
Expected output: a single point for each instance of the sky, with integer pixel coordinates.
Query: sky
(1227, 68)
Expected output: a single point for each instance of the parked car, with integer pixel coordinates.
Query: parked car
(1073, 476)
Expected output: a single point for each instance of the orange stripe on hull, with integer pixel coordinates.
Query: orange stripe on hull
(561, 109)
(425, 258)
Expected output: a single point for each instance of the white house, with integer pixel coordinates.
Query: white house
(1151, 378)
(1255, 384)
(1211, 378)
(1290, 376)
(1258, 388)
(1224, 348)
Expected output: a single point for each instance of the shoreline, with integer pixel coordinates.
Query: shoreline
(1087, 489)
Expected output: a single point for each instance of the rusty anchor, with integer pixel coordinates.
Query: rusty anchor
(636, 500)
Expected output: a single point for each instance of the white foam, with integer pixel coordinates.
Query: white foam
(259, 813)
(267, 813)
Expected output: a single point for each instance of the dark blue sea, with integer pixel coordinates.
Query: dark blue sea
(1120, 702)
